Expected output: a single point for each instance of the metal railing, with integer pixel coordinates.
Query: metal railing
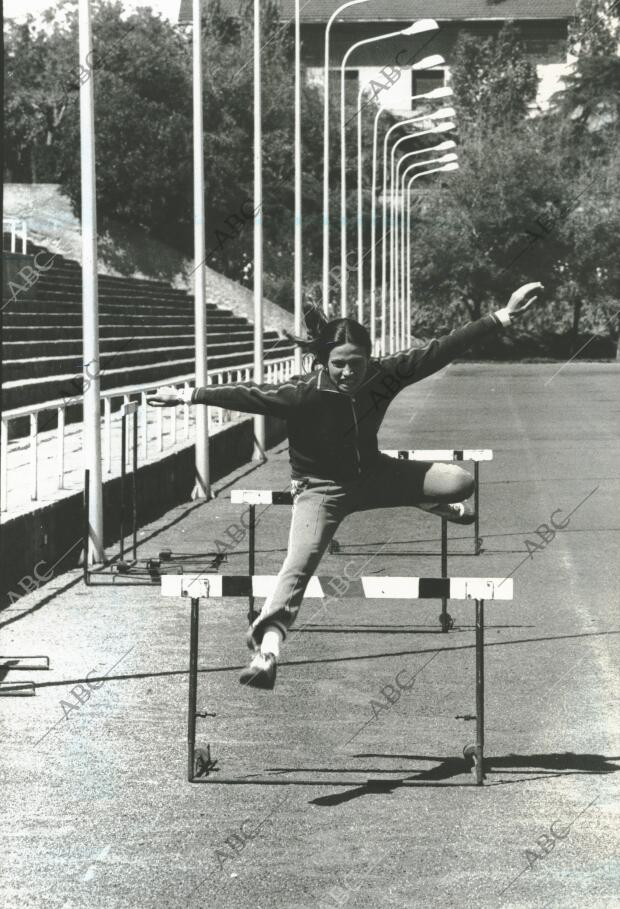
(12, 224)
(171, 428)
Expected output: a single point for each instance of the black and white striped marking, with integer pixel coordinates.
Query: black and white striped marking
(322, 586)
(440, 454)
(260, 497)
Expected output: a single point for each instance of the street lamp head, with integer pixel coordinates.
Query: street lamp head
(442, 114)
(452, 166)
(443, 127)
(429, 62)
(422, 25)
(450, 157)
(444, 146)
(443, 92)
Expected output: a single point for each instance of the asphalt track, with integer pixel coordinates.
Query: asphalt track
(97, 812)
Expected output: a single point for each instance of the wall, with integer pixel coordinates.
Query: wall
(545, 42)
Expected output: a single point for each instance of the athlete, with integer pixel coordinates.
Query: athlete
(333, 416)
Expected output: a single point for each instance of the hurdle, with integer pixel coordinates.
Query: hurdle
(129, 408)
(202, 766)
(254, 497)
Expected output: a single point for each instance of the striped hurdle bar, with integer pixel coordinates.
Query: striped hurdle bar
(202, 768)
(254, 497)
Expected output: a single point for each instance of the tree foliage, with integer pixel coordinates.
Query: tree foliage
(493, 79)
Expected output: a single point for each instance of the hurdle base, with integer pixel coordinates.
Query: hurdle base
(24, 662)
(17, 689)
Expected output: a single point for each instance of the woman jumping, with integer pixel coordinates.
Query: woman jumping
(333, 416)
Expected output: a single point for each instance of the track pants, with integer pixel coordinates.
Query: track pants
(319, 506)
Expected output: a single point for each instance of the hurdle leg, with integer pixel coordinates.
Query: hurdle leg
(134, 502)
(86, 526)
(479, 762)
(121, 554)
(251, 560)
(445, 619)
(477, 540)
(193, 686)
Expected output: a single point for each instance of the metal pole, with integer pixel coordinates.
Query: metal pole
(86, 525)
(343, 200)
(298, 207)
(477, 541)
(360, 238)
(202, 481)
(373, 234)
(444, 573)
(408, 327)
(122, 491)
(91, 426)
(134, 494)
(193, 685)
(259, 421)
(326, 172)
(479, 692)
(251, 560)
(330, 22)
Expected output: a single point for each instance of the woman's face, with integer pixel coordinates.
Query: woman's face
(347, 367)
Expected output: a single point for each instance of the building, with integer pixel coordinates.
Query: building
(543, 25)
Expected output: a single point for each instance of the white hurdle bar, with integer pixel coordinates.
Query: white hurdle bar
(201, 766)
(254, 497)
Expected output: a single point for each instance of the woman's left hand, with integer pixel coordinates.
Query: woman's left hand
(523, 298)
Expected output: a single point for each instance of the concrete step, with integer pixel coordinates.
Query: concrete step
(36, 391)
(127, 356)
(70, 271)
(59, 319)
(57, 290)
(24, 349)
(46, 332)
(72, 302)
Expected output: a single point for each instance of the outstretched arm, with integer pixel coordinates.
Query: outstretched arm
(247, 397)
(419, 362)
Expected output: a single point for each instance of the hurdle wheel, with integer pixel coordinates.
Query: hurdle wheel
(165, 555)
(123, 567)
(203, 765)
(471, 757)
(446, 621)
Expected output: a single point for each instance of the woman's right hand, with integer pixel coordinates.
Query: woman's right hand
(166, 396)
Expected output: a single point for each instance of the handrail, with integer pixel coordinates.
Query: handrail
(276, 370)
(13, 222)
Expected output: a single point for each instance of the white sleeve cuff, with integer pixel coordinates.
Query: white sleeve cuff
(186, 395)
(503, 315)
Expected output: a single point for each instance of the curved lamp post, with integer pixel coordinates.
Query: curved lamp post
(416, 28)
(330, 22)
(452, 166)
(443, 146)
(434, 93)
(442, 114)
(401, 222)
(423, 64)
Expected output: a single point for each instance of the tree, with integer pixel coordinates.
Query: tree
(587, 108)
(493, 80)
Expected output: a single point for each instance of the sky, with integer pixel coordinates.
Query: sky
(18, 9)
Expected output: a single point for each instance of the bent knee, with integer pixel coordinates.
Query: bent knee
(451, 484)
(466, 485)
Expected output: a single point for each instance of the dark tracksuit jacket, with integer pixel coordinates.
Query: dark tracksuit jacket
(333, 435)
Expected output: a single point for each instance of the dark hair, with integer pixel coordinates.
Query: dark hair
(324, 335)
